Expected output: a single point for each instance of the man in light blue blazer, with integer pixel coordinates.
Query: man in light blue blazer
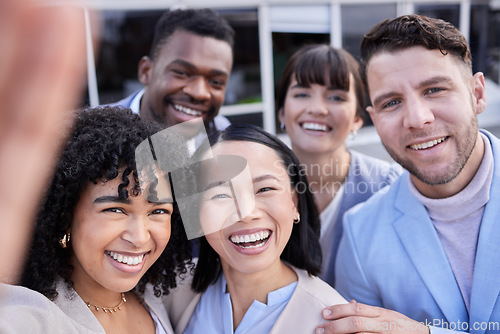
(186, 72)
(425, 255)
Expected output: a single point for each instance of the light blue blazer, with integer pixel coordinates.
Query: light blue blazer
(366, 176)
(390, 256)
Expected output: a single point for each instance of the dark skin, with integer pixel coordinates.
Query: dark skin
(186, 79)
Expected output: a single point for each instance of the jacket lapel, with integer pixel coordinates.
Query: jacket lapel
(421, 241)
(486, 282)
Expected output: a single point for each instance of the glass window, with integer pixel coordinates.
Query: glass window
(485, 41)
(450, 13)
(359, 19)
(127, 36)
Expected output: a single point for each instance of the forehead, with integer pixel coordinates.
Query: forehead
(411, 65)
(197, 50)
(260, 158)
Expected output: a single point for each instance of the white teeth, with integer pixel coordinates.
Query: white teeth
(130, 260)
(189, 111)
(262, 235)
(314, 126)
(428, 144)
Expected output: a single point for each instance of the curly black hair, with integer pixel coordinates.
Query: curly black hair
(202, 22)
(102, 146)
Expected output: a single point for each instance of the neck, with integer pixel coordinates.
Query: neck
(330, 166)
(325, 173)
(244, 288)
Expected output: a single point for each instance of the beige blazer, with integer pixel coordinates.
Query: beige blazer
(26, 311)
(302, 314)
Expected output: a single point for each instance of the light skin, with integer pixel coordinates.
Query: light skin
(318, 120)
(186, 79)
(419, 95)
(113, 243)
(252, 272)
(38, 87)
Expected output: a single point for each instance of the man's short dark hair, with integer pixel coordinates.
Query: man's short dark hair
(203, 22)
(414, 30)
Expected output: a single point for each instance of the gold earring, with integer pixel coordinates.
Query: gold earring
(64, 241)
(297, 219)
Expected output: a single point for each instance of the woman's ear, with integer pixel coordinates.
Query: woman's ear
(144, 70)
(281, 115)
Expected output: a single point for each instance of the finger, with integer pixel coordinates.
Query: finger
(353, 308)
(351, 324)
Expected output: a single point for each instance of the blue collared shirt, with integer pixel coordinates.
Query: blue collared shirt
(214, 313)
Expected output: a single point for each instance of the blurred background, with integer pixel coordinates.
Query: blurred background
(267, 33)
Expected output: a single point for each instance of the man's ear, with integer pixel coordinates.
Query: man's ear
(479, 92)
(370, 111)
(144, 70)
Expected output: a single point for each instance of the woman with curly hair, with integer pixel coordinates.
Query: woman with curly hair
(100, 250)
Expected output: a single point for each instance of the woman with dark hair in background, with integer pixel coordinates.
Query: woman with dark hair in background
(320, 102)
(99, 250)
(258, 272)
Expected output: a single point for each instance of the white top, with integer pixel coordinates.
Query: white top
(329, 217)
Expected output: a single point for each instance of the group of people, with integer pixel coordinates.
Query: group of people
(399, 254)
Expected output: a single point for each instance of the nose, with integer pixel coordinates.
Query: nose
(253, 215)
(137, 231)
(317, 106)
(417, 114)
(197, 88)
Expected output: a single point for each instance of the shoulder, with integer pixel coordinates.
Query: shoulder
(380, 205)
(156, 306)
(126, 102)
(303, 312)
(311, 290)
(27, 311)
(494, 141)
(181, 302)
(221, 122)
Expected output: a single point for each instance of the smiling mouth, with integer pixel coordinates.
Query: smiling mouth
(315, 127)
(428, 144)
(129, 260)
(187, 111)
(253, 240)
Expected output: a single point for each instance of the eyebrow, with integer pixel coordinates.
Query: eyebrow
(428, 82)
(113, 199)
(116, 199)
(191, 66)
(264, 178)
(215, 184)
(435, 80)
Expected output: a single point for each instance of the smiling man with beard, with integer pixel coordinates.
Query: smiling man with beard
(187, 70)
(423, 256)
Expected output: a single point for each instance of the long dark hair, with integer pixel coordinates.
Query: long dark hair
(303, 249)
